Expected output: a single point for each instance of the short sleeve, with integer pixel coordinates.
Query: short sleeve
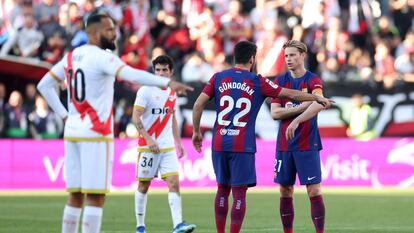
(110, 63)
(314, 83)
(269, 88)
(141, 99)
(209, 87)
(58, 70)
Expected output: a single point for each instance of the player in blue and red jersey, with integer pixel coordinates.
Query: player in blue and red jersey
(238, 96)
(298, 141)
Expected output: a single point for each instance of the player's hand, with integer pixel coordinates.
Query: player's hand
(153, 146)
(290, 131)
(180, 88)
(197, 141)
(181, 151)
(326, 103)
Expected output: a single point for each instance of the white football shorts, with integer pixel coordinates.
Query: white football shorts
(150, 164)
(88, 166)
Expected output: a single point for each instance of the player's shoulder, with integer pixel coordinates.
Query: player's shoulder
(143, 90)
(311, 75)
(282, 78)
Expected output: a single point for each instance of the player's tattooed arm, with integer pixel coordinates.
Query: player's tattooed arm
(140, 126)
(136, 119)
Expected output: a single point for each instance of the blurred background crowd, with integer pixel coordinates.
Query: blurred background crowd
(370, 42)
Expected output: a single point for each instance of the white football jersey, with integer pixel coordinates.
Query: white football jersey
(158, 106)
(90, 82)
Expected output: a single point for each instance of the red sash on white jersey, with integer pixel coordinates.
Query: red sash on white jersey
(158, 126)
(102, 127)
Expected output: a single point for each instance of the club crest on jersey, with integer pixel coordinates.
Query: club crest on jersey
(229, 132)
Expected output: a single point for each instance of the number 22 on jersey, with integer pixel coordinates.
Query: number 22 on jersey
(243, 104)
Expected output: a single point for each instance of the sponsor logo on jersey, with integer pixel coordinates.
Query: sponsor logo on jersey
(159, 111)
(272, 84)
(230, 132)
(291, 105)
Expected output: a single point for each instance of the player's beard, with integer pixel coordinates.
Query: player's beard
(107, 44)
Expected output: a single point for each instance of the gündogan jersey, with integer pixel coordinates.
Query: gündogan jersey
(158, 106)
(90, 74)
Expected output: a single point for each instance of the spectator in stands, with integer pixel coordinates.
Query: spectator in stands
(135, 52)
(359, 67)
(384, 66)
(53, 48)
(29, 98)
(20, 9)
(404, 64)
(16, 124)
(407, 43)
(125, 123)
(47, 15)
(235, 27)
(270, 55)
(196, 69)
(80, 37)
(43, 122)
(361, 123)
(27, 40)
(386, 32)
(204, 31)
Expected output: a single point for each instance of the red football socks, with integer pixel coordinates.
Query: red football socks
(239, 208)
(221, 207)
(287, 214)
(318, 213)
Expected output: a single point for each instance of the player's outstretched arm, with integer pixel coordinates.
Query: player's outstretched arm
(47, 87)
(279, 113)
(303, 96)
(198, 108)
(145, 78)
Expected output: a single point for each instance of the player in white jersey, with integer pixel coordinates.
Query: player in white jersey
(154, 116)
(90, 72)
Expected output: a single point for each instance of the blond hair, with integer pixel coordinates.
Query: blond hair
(296, 44)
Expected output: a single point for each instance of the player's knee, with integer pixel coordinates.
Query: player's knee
(143, 186)
(286, 191)
(76, 200)
(314, 190)
(95, 199)
(173, 184)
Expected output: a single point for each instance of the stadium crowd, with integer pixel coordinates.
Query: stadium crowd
(366, 41)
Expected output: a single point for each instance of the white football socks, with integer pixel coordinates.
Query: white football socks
(174, 199)
(92, 219)
(70, 222)
(140, 207)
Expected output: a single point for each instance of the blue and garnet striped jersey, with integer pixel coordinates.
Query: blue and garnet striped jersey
(307, 134)
(238, 95)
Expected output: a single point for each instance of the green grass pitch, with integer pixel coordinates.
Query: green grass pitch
(365, 211)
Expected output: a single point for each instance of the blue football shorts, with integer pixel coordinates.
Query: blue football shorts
(235, 169)
(307, 164)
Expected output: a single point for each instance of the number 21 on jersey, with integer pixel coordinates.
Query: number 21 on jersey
(243, 104)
